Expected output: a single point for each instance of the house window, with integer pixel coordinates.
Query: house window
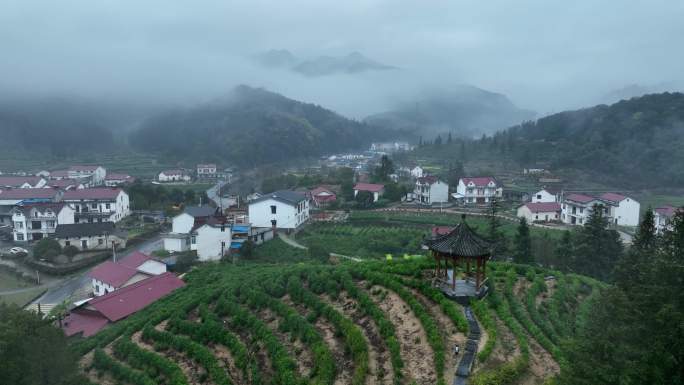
(50, 224)
(84, 244)
(20, 237)
(273, 209)
(273, 223)
(67, 243)
(93, 205)
(19, 225)
(581, 210)
(193, 240)
(100, 241)
(538, 196)
(35, 225)
(223, 228)
(108, 206)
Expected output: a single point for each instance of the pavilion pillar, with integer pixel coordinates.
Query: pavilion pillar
(477, 274)
(468, 267)
(435, 256)
(453, 275)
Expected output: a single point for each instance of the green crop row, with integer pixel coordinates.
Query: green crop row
(155, 365)
(197, 352)
(353, 338)
(431, 329)
(483, 315)
(104, 363)
(241, 319)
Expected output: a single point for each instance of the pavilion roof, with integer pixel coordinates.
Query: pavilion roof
(461, 241)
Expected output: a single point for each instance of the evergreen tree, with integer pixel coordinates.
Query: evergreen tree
(384, 170)
(494, 229)
(634, 267)
(565, 252)
(438, 140)
(598, 248)
(449, 138)
(523, 243)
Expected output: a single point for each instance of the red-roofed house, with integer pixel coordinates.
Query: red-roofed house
(540, 211)
(113, 180)
(65, 184)
(322, 196)
(576, 208)
(12, 197)
(21, 182)
(173, 176)
(663, 217)
(623, 210)
(102, 204)
(36, 221)
(95, 174)
(376, 189)
(110, 276)
(91, 316)
(429, 189)
(478, 190)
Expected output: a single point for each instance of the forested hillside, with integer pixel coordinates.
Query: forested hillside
(252, 126)
(637, 142)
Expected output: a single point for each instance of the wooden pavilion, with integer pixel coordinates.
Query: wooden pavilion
(465, 249)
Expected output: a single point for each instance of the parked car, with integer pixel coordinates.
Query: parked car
(18, 251)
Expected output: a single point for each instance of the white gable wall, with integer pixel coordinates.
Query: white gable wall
(543, 196)
(627, 212)
(182, 223)
(211, 241)
(286, 216)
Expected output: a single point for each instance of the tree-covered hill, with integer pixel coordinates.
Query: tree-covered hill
(640, 141)
(252, 126)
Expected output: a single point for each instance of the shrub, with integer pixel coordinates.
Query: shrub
(70, 251)
(47, 248)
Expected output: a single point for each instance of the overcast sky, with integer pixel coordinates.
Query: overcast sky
(545, 55)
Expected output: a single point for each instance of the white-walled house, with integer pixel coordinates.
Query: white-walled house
(545, 196)
(662, 217)
(478, 190)
(540, 211)
(211, 240)
(110, 276)
(206, 171)
(183, 224)
(13, 197)
(577, 208)
(624, 210)
(417, 172)
(429, 190)
(90, 236)
(36, 221)
(93, 205)
(173, 176)
(96, 174)
(376, 189)
(280, 210)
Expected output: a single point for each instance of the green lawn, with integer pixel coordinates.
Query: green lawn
(23, 298)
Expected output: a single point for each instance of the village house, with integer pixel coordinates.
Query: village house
(182, 225)
(430, 190)
(577, 208)
(110, 276)
(540, 211)
(624, 210)
(114, 180)
(10, 198)
(173, 176)
(377, 190)
(662, 217)
(322, 196)
(211, 240)
(279, 210)
(206, 171)
(95, 174)
(21, 182)
(546, 195)
(478, 190)
(90, 236)
(91, 316)
(65, 184)
(33, 222)
(93, 205)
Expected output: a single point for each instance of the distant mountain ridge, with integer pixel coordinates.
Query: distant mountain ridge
(252, 126)
(321, 65)
(464, 110)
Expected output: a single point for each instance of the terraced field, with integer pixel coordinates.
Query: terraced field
(367, 323)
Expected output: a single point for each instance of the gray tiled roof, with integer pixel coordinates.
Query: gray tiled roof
(85, 229)
(200, 211)
(461, 241)
(285, 196)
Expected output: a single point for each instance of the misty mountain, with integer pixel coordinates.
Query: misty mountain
(635, 90)
(319, 66)
(464, 110)
(639, 141)
(252, 126)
